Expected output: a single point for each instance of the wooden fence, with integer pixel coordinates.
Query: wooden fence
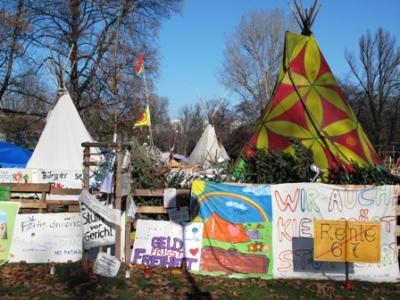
(34, 196)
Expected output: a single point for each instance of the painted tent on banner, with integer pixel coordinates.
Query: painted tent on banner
(309, 105)
(209, 149)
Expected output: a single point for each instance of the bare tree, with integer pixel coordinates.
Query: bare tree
(190, 127)
(219, 113)
(12, 27)
(251, 62)
(377, 73)
(105, 38)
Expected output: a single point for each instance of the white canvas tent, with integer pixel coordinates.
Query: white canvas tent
(59, 146)
(208, 149)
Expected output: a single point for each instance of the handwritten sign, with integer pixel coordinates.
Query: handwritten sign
(341, 241)
(329, 240)
(110, 214)
(167, 244)
(363, 242)
(96, 232)
(106, 265)
(297, 205)
(43, 238)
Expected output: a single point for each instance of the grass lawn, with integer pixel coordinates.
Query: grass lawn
(23, 281)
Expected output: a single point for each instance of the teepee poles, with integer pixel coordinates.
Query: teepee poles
(56, 70)
(305, 17)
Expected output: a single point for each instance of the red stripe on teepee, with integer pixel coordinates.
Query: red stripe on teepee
(297, 64)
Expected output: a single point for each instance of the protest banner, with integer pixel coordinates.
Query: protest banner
(62, 179)
(8, 212)
(43, 238)
(167, 244)
(268, 230)
(237, 239)
(296, 205)
(96, 232)
(109, 214)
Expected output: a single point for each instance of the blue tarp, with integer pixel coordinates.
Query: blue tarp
(12, 156)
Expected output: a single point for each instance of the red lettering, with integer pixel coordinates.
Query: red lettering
(286, 261)
(289, 202)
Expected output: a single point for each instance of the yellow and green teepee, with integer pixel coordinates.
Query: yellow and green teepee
(309, 105)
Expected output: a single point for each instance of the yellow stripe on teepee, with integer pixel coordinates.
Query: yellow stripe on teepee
(340, 127)
(262, 138)
(312, 60)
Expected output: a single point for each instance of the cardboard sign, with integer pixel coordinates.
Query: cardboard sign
(347, 241)
(363, 242)
(106, 265)
(329, 240)
(167, 245)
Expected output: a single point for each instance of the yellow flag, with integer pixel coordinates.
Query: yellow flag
(144, 119)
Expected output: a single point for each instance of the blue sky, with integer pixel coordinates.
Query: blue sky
(192, 43)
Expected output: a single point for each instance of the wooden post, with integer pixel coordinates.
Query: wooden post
(128, 219)
(86, 160)
(86, 169)
(117, 202)
(128, 241)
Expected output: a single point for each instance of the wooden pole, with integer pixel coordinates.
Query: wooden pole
(86, 169)
(117, 202)
(128, 220)
(86, 161)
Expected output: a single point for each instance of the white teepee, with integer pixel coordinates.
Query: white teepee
(59, 146)
(208, 149)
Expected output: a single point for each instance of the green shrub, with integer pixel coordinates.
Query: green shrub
(356, 174)
(277, 166)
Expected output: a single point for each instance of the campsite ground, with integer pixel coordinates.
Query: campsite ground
(23, 281)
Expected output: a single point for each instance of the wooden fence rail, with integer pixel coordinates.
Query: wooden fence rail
(158, 193)
(35, 196)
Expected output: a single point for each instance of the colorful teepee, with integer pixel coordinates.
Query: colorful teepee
(309, 105)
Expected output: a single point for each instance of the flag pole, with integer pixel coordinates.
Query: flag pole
(147, 103)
